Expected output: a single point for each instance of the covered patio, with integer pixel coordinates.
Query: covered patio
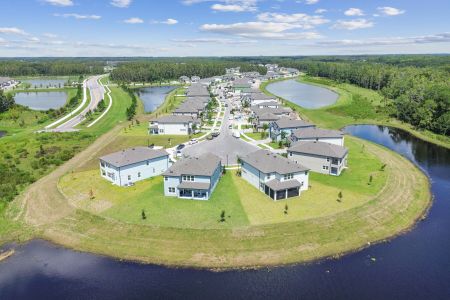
(278, 190)
(194, 190)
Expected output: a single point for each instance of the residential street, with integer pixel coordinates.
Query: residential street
(97, 93)
(225, 145)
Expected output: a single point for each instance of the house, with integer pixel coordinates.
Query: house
(241, 83)
(195, 79)
(267, 114)
(320, 157)
(318, 134)
(184, 79)
(256, 98)
(197, 90)
(128, 166)
(274, 175)
(287, 126)
(172, 124)
(189, 108)
(193, 177)
(267, 104)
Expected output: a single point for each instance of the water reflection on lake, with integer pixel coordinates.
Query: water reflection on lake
(154, 96)
(41, 100)
(305, 95)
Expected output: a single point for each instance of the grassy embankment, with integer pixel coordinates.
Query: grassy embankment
(356, 106)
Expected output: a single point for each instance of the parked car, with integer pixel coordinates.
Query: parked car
(180, 147)
(178, 153)
(230, 126)
(209, 137)
(193, 141)
(236, 134)
(215, 134)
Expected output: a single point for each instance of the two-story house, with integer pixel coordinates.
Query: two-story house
(128, 166)
(171, 124)
(287, 126)
(307, 134)
(193, 177)
(274, 175)
(320, 157)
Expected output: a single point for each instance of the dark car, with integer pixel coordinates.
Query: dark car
(215, 134)
(180, 146)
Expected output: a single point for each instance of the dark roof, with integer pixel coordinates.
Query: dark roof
(203, 165)
(314, 132)
(270, 110)
(132, 156)
(268, 117)
(319, 148)
(277, 185)
(194, 185)
(174, 119)
(292, 123)
(268, 162)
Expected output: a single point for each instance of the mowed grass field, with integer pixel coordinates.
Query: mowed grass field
(243, 204)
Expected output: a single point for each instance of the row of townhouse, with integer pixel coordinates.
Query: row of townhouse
(185, 118)
(189, 178)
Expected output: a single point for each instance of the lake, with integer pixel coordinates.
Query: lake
(41, 100)
(305, 95)
(46, 83)
(414, 265)
(154, 96)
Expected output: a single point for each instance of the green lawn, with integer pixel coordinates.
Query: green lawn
(126, 203)
(254, 135)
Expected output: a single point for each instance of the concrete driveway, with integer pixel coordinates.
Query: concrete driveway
(225, 145)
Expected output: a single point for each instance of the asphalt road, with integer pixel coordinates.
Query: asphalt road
(96, 91)
(225, 145)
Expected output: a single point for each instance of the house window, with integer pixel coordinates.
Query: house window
(268, 176)
(328, 159)
(102, 164)
(148, 162)
(129, 177)
(188, 178)
(153, 170)
(171, 190)
(103, 172)
(290, 153)
(325, 167)
(166, 178)
(139, 175)
(161, 130)
(288, 176)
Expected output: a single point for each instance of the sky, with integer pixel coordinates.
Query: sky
(222, 27)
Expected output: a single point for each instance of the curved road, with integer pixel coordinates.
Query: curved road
(225, 145)
(96, 91)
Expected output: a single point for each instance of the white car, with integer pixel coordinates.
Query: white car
(230, 118)
(193, 141)
(236, 134)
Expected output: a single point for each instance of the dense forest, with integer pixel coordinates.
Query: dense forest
(159, 70)
(47, 67)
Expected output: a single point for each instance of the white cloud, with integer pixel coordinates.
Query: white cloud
(169, 21)
(79, 17)
(12, 30)
(50, 35)
(121, 3)
(426, 39)
(390, 11)
(133, 21)
(311, 1)
(60, 2)
(262, 30)
(303, 21)
(232, 7)
(214, 41)
(354, 12)
(320, 11)
(353, 24)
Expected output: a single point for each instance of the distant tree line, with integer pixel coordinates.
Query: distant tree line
(157, 71)
(13, 68)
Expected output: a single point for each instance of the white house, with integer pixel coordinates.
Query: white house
(131, 165)
(274, 175)
(320, 157)
(176, 125)
(193, 177)
(307, 134)
(287, 126)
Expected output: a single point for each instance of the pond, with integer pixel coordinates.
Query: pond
(414, 265)
(154, 96)
(41, 100)
(46, 83)
(305, 95)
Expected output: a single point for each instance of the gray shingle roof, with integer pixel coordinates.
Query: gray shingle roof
(268, 162)
(173, 119)
(292, 123)
(319, 148)
(314, 132)
(268, 117)
(269, 110)
(132, 156)
(203, 165)
(277, 185)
